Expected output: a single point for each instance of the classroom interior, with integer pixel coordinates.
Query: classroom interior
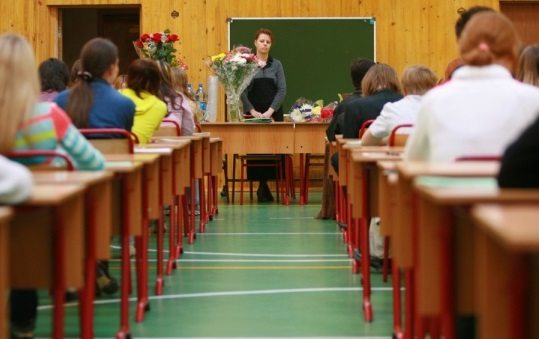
(273, 270)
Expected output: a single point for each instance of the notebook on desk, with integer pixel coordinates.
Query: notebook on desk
(258, 120)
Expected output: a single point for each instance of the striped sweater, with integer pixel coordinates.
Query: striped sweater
(49, 128)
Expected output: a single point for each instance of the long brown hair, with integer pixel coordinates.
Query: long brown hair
(380, 77)
(180, 80)
(19, 86)
(166, 90)
(528, 65)
(143, 75)
(96, 56)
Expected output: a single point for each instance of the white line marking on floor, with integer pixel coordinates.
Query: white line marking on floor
(275, 233)
(235, 293)
(248, 260)
(251, 254)
(260, 338)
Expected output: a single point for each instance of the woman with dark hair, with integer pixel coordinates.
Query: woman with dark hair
(54, 78)
(143, 84)
(92, 102)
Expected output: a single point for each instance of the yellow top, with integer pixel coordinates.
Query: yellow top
(149, 111)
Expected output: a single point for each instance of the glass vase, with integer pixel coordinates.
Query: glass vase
(235, 108)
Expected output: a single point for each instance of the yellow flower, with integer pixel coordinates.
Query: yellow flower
(219, 56)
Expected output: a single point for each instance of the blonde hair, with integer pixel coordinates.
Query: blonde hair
(418, 80)
(380, 77)
(19, 86)
(528, 65)
(180, 80)
(489, 37)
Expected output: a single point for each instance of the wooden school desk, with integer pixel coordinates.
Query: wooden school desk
(404, 234)
(98, 229)
(6, 214)
(150, 210)
(445, 238)
(127, 216)
(196, 172)
(168, 191)
(362, 191)
(507, 270)
(47, 235)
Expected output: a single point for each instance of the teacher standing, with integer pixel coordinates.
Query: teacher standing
(264, 98)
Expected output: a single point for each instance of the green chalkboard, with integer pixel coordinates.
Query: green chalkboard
(315, 52)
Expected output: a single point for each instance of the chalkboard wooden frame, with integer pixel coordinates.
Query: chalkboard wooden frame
(315, 51)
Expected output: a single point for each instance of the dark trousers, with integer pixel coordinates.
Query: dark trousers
(23, 308)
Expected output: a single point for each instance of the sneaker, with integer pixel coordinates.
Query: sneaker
(132, 251)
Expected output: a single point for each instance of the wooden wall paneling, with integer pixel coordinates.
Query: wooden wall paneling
(525, 17)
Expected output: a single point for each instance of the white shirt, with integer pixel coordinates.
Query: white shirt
(396, 113)
(479, 112)
(15, 182)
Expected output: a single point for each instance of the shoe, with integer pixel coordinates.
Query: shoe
(376, 263)
(71, 295)
(104, 282)
(268, 192)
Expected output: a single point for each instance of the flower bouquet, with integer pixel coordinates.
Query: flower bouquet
(304, 110)
(235, 70)
(159, 46)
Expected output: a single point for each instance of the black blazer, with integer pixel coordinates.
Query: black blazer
(520, 161)
(359, 110)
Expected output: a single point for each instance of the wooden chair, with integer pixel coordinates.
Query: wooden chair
(168, 128)
(100, 139)
(399, 139)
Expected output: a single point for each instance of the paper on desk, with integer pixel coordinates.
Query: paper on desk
(118, 164)
(452, 182)
(152, 150)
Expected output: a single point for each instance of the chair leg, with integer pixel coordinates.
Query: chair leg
(241, 180)
(386, 258)
(234, 176)
(306, 178)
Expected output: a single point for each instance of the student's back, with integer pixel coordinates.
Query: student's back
(482, 109)
(93, 102)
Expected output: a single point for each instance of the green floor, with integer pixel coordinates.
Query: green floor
(260, 270)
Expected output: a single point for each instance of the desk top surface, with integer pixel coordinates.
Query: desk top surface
(514, 226)
(76, 177)
(48, 195)
(409, 169)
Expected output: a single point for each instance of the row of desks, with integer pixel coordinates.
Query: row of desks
(459, 257)
(66, 225)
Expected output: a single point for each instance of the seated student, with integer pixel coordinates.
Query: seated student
(178, 108)
(358, 69)
(15, 182)
(30, 124)
(482, 109)
(54, 77)
(379, 86)
(92, 102)
(143, 84)
(528, 66)
(416, 81)
(520, 161)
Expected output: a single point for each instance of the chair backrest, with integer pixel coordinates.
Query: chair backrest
(111, 146)
(42, 153)
(173, 129)
(364, 127)
(399, 139)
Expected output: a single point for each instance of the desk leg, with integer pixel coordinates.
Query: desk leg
(59, 283)
(397, 316)
(181, 225)
(142, 258)
(192, 216)
(125, 269)
(447, 276)
(171, 263)
(366, 268)
(86, 296)
(203, 214)
(215, 199)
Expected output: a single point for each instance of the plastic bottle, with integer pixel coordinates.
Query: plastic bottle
(190, 90)
(201, 99)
